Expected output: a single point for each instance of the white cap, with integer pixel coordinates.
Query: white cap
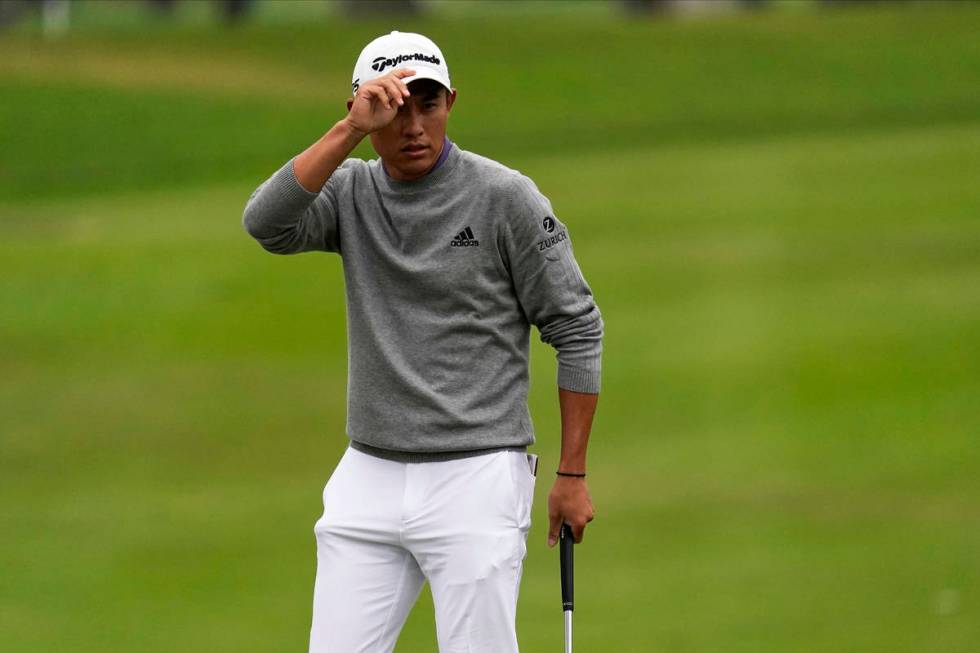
(401, 50)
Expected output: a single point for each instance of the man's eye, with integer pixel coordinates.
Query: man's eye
(430, 105)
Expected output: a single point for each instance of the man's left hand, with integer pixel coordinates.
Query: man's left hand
(569, 502)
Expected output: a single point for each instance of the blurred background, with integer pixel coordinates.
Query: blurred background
(776, 205)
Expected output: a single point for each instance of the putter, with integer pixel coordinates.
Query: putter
(567, 563)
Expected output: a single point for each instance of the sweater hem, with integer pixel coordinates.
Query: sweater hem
(427, 456)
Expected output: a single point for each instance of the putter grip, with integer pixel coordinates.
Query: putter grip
(567, 563)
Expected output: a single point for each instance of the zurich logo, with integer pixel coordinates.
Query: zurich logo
(548, 224)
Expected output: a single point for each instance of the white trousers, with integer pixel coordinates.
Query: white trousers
(387, 527)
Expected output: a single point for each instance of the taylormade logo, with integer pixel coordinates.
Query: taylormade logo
(380, 63)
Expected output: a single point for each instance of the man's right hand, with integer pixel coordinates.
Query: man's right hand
(375, 105)
(377, 101)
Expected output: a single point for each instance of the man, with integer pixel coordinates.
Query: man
(448, 259)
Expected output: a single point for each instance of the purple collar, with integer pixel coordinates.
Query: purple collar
(446, 146)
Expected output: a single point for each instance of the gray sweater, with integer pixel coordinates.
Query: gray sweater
(444, 277)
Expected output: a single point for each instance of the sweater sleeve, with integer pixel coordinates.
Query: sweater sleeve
(285, 218)
(550, 287)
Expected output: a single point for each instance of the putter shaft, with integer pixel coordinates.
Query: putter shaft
(567, 564)
(568, 631)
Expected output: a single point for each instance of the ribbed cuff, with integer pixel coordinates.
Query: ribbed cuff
(285, 183)
(578, 380)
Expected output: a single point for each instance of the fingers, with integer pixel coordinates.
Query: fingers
(569, 502)
(370, 94)
(380, 93)
(400, 90)
(578, 531)
(578, 524)
(554, 524)
(389, 89)
(392, 93)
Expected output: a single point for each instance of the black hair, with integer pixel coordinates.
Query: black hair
(427, 87)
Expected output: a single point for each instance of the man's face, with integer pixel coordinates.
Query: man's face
(410, 144)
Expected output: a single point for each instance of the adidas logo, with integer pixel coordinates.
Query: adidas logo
(465, 238)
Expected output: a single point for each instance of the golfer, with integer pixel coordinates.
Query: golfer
(448, 259)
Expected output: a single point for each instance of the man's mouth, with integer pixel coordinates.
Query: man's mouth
(415, 147)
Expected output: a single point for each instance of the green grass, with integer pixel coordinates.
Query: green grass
(779, 217)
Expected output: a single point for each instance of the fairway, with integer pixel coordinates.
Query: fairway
(778, 214)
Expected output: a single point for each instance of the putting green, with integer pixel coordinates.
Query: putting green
(780, 225)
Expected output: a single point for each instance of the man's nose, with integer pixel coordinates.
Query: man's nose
(412, 121)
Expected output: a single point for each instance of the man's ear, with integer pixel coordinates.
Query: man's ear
(450, 99)
(350, 103)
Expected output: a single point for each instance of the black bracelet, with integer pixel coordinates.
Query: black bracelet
(572, 474)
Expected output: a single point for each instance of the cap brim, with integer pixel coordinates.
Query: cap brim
(425, 73)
